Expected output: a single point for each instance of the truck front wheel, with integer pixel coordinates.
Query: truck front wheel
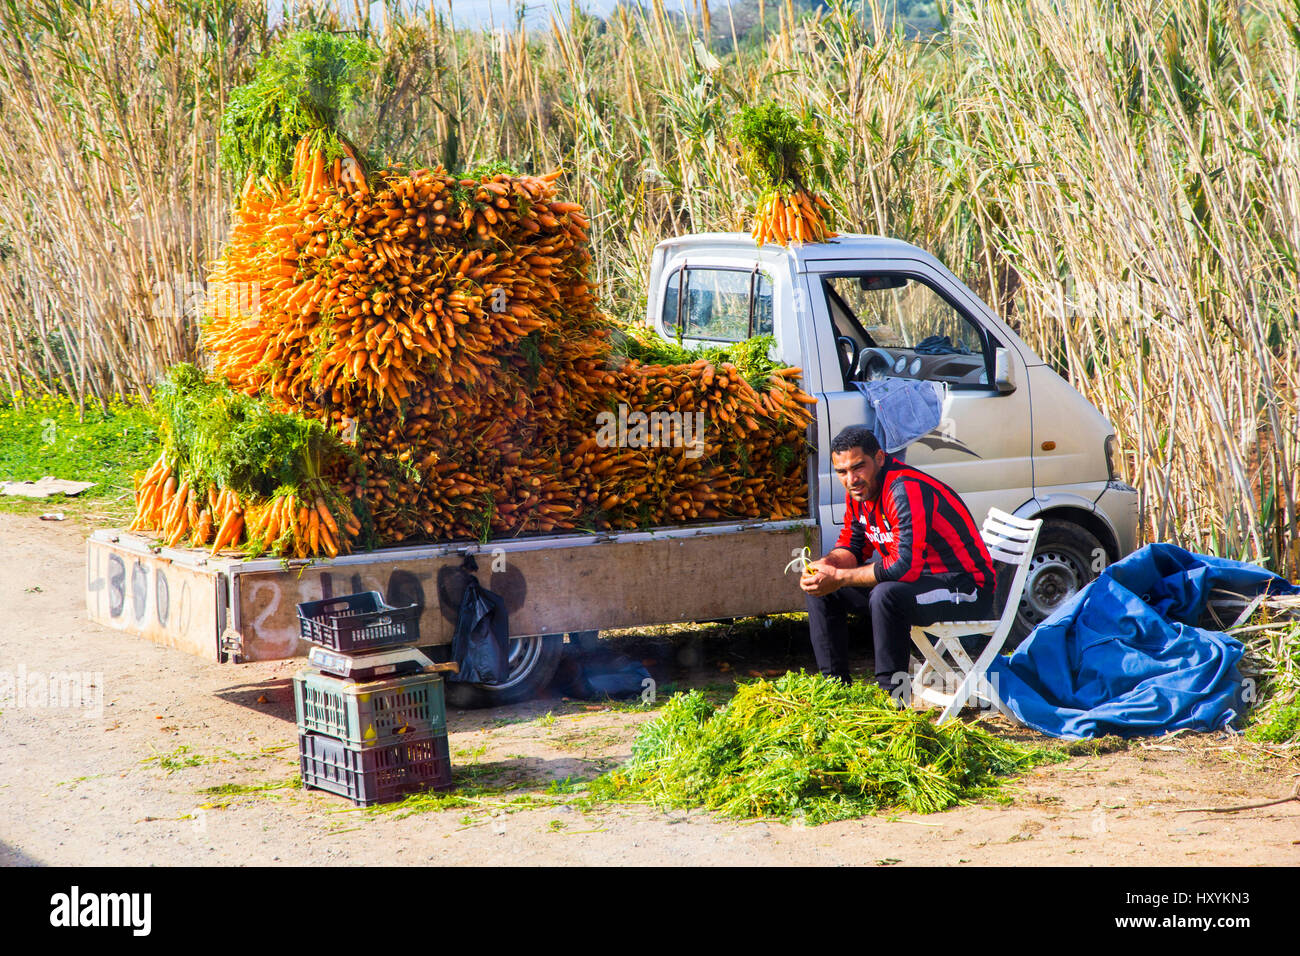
(533, 661)
(1063, 563)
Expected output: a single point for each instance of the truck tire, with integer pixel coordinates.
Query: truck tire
(1063, 562)
(533, 661)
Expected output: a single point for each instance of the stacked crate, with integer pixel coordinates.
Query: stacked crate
(373, 741)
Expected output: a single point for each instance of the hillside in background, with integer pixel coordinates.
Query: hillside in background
(918, 17)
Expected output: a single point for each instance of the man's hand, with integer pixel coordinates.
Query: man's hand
(821, 579)
(838, 569)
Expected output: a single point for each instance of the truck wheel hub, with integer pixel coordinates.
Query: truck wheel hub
(1053, 577)
(523, 652)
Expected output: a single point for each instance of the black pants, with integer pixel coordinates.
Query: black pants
(893, 608)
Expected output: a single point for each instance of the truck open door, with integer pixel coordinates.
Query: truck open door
(903, 319)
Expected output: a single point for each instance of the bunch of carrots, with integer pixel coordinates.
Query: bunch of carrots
(187, 515)
(447, 327)
(781, 152)
(796, 217)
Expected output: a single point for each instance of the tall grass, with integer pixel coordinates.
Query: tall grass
(111, 201)
(1119, 178)
(1144, 179)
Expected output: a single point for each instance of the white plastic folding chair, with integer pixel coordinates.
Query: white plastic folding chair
(1011, 541)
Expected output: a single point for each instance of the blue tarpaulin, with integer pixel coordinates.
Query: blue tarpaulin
(1124, 656)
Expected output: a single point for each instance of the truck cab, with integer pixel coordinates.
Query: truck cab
(1012, 435)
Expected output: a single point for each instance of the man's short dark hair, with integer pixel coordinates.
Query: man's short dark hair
(855, 436)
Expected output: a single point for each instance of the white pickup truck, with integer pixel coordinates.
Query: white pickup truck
(1012, 435)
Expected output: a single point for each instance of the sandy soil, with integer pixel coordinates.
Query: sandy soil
(127, 786)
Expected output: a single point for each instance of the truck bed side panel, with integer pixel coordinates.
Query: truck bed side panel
(130, 588)
(636, 581)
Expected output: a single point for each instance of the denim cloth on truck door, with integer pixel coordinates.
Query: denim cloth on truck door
(1125, 655)
(906, 409)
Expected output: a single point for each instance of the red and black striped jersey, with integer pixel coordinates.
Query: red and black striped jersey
(917, 525)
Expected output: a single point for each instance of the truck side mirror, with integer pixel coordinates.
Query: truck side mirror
(1003, 377)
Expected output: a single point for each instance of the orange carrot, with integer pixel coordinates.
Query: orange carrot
(228, 533)
(326, 517)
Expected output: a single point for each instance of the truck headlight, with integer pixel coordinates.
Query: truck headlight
(1111, 444)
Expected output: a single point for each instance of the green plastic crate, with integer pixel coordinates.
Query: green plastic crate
(373, 713)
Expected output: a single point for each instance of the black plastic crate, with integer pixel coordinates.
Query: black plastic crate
(358, 622)
(375, 774)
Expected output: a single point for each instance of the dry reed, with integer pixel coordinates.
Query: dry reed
(1121, 180)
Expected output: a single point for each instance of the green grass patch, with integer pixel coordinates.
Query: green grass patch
(806, 747)
(1094, 747)
(479, 789)
(182, 758)
(185, 756)
(1279, 725)
(50, 435)
(223, 795)
(1273, 659)
(242, 789)
(478, 800)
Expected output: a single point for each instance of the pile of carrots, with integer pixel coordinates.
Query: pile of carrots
(448, 328)
(797, 217)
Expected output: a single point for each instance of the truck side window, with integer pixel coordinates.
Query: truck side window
(672, 290)
(763, 305)
(914, 330)
(717, 304)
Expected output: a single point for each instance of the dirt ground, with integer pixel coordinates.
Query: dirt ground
(133, 783)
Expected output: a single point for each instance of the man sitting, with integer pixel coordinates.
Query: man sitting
(930, 563)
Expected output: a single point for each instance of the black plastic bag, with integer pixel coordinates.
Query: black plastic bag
(481, 644)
